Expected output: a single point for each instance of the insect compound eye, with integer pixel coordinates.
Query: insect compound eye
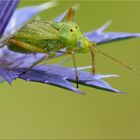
(79, 43)
(71, 30)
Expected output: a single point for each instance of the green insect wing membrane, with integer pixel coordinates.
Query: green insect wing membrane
(37, 30)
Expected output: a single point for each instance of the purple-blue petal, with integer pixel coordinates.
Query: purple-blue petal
(60, 17)
(7, 8)
(85, 78)
(100, 84)
(52, 74)
(60, 76)
(8, 75)
(47, 78)
(104, 37)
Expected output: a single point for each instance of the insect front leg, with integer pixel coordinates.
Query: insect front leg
(75, 67)
(92, 56)
(93, 60)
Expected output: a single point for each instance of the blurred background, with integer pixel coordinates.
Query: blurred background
(34, 111)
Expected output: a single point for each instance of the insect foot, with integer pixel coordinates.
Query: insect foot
(22, 73)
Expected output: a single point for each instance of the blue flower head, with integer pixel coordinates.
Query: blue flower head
(12, 63)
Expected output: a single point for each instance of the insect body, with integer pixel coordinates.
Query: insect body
(51, 37)
(42, 36)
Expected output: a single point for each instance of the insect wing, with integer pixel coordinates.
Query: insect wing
(38, 30)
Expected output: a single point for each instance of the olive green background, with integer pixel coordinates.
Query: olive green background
(33, 111)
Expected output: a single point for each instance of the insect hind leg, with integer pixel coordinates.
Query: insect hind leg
(34, 64)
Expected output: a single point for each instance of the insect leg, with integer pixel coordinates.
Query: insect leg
(76, 70)
(30, 48)
(115, 60)
(93, 56)
(35, 63)
(27, 46)
(4, 42)
(75, 65)
(39, 61)
(93, 60)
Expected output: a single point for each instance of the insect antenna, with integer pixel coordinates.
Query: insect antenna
(114, 59)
